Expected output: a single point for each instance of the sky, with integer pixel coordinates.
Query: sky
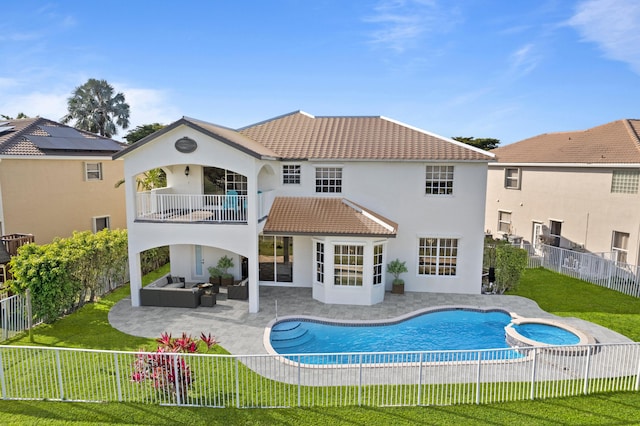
(474, 68)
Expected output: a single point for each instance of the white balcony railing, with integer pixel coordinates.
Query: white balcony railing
(157, 207)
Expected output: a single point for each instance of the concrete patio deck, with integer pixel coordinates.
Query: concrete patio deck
(241, 333)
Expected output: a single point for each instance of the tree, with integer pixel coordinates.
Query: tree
(18, 117)
(94, 106)
(142, 131)
(482, 143)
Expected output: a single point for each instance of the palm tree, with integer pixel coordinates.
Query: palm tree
(94, 106)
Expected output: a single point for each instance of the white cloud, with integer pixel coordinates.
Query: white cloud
(613, 25)
(147, 106)
(524, 60)
(402, 23)
(49, 105)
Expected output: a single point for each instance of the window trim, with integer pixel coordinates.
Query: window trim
(508, 179)
(624, 251)
(440, 263)
(95, 219)
(501, 221)
(349, 276)
(434, 180)
(320, 261)
(87, 172)
(337, 179)
(378, 268)
(291, 177)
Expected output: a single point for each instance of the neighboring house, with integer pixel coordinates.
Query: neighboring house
(304, 201)
(577, 190)
(55, 179)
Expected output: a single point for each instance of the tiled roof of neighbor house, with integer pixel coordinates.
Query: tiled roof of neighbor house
(302, 136)
(325, 216)
(40, 136)
(615, 142)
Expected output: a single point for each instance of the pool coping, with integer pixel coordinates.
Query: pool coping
(586, 342)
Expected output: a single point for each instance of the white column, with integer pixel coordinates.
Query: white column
(135, 277)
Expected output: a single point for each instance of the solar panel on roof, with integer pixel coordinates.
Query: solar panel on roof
(73, 144)
(4, 129)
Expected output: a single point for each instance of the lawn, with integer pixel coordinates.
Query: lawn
(554, 293)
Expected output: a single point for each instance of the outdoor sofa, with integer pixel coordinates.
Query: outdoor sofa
(239, 290)
(171, 291)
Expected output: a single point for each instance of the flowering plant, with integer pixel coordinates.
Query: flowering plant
(165, 369)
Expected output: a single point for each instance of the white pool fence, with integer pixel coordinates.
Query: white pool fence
(262, 381)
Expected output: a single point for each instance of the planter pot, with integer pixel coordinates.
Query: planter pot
(397, 288)
(226, 281)
(214, 280)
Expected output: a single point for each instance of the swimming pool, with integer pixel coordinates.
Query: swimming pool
(449, 329)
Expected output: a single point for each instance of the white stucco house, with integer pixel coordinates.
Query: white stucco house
(304, 201)
(578, 190)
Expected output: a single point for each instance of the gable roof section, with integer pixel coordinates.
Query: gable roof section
(221, 133)
(300, 135)
(325, 216)
(42, 137)
(612, 143)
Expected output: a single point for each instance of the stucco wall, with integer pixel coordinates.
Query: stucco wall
(50, 198)
(579, 197)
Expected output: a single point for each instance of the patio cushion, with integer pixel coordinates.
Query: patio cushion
(175, 285)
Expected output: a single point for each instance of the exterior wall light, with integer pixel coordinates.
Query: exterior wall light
(186, 171)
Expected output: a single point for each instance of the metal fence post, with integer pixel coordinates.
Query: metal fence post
(177, 379)
(420, 381)
(360, 383)
(2, 382)
(587, 366)
(299, 384)
(237, 385)
(118, 385)
(478, 377)
(60, 380)
(533, 373)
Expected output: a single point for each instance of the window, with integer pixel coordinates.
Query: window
(439, 180)
(504, 222)
(437, 256)
(347, 262)
(512, 178)
(619, 244)
(100, 223)
(329, 179)
(555, 230)
(93, 171)
(320, 262)
(378, 251)
(290, 174)
(625, 181)
(236, 182)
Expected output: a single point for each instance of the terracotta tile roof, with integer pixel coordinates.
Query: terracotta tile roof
(16, 141)
(325, 216)
(615, 142)
(302, 136)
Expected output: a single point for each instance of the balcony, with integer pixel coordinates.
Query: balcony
(156, 206)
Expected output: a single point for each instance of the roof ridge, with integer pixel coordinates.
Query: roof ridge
(632, 133)
(259, 123)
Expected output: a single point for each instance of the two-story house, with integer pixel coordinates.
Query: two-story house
(55, 179)
(576, 190)
(304, 201)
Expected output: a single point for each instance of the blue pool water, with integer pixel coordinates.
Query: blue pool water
(545, 333)
(455, 329)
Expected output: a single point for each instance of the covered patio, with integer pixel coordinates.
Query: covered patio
(241, 332)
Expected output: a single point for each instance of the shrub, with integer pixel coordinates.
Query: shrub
(510, 263)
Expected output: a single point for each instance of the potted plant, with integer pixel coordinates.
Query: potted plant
(396, 267)
(214, 278)
(224, 263)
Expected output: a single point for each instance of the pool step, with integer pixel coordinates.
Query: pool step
(290, 337)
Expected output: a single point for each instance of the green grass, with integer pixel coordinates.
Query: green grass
(560, 295)
(570, 297)
(607, 409)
